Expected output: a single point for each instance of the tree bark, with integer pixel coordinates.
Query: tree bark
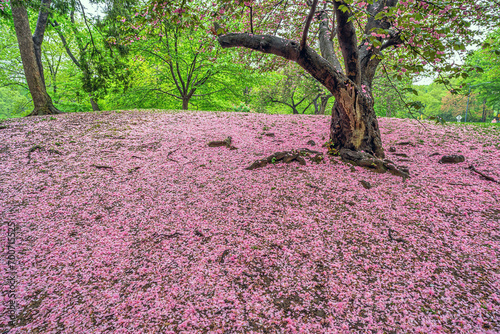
(354, 124)
(41, 25)
(185, 103)
(316, 106)
(41, 100)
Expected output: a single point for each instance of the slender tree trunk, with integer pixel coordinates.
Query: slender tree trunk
(324, 102)
(483, 119)
(354, 124)
(95, 106)
(388, 110)
(185, 103)
(316, 105)
(41, 100)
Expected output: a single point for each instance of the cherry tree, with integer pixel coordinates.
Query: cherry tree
(342, 43)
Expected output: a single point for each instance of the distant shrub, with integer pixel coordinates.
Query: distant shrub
(242, 108)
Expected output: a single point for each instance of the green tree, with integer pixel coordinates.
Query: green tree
(484, 79)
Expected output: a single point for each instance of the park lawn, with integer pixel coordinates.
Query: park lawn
(127, 222)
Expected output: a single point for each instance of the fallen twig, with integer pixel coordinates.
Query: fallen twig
(170, 153)
(489, 178)
(249, 275)
(101, 166)
(313, 186)
(223, 256)
(395, 239)
(54, 151)
(33, 149)
(131, 170)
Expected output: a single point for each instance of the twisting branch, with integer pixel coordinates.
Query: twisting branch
(308, 24)
(307, 58)
(88, 28)
(58, 30)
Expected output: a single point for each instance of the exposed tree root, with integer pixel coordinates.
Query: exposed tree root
(288, 157)
(226, 142)
(403, 143)
(366, 184)
(47, 110)
(395, 239)
(489, 178)
(355, 158)
(372, 163)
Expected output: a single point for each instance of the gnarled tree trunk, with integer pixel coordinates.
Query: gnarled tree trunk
(354, 124)
(41, 99)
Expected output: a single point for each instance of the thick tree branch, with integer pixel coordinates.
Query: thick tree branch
(41, 22)
(326, 43)
(41, 25)
(308, 24)
(164, 92)
(346, 34)
(307, 58)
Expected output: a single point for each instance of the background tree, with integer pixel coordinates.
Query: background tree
(294, 89)
(92, 52)
(30, 48)
(185, 62)
(484, 78)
